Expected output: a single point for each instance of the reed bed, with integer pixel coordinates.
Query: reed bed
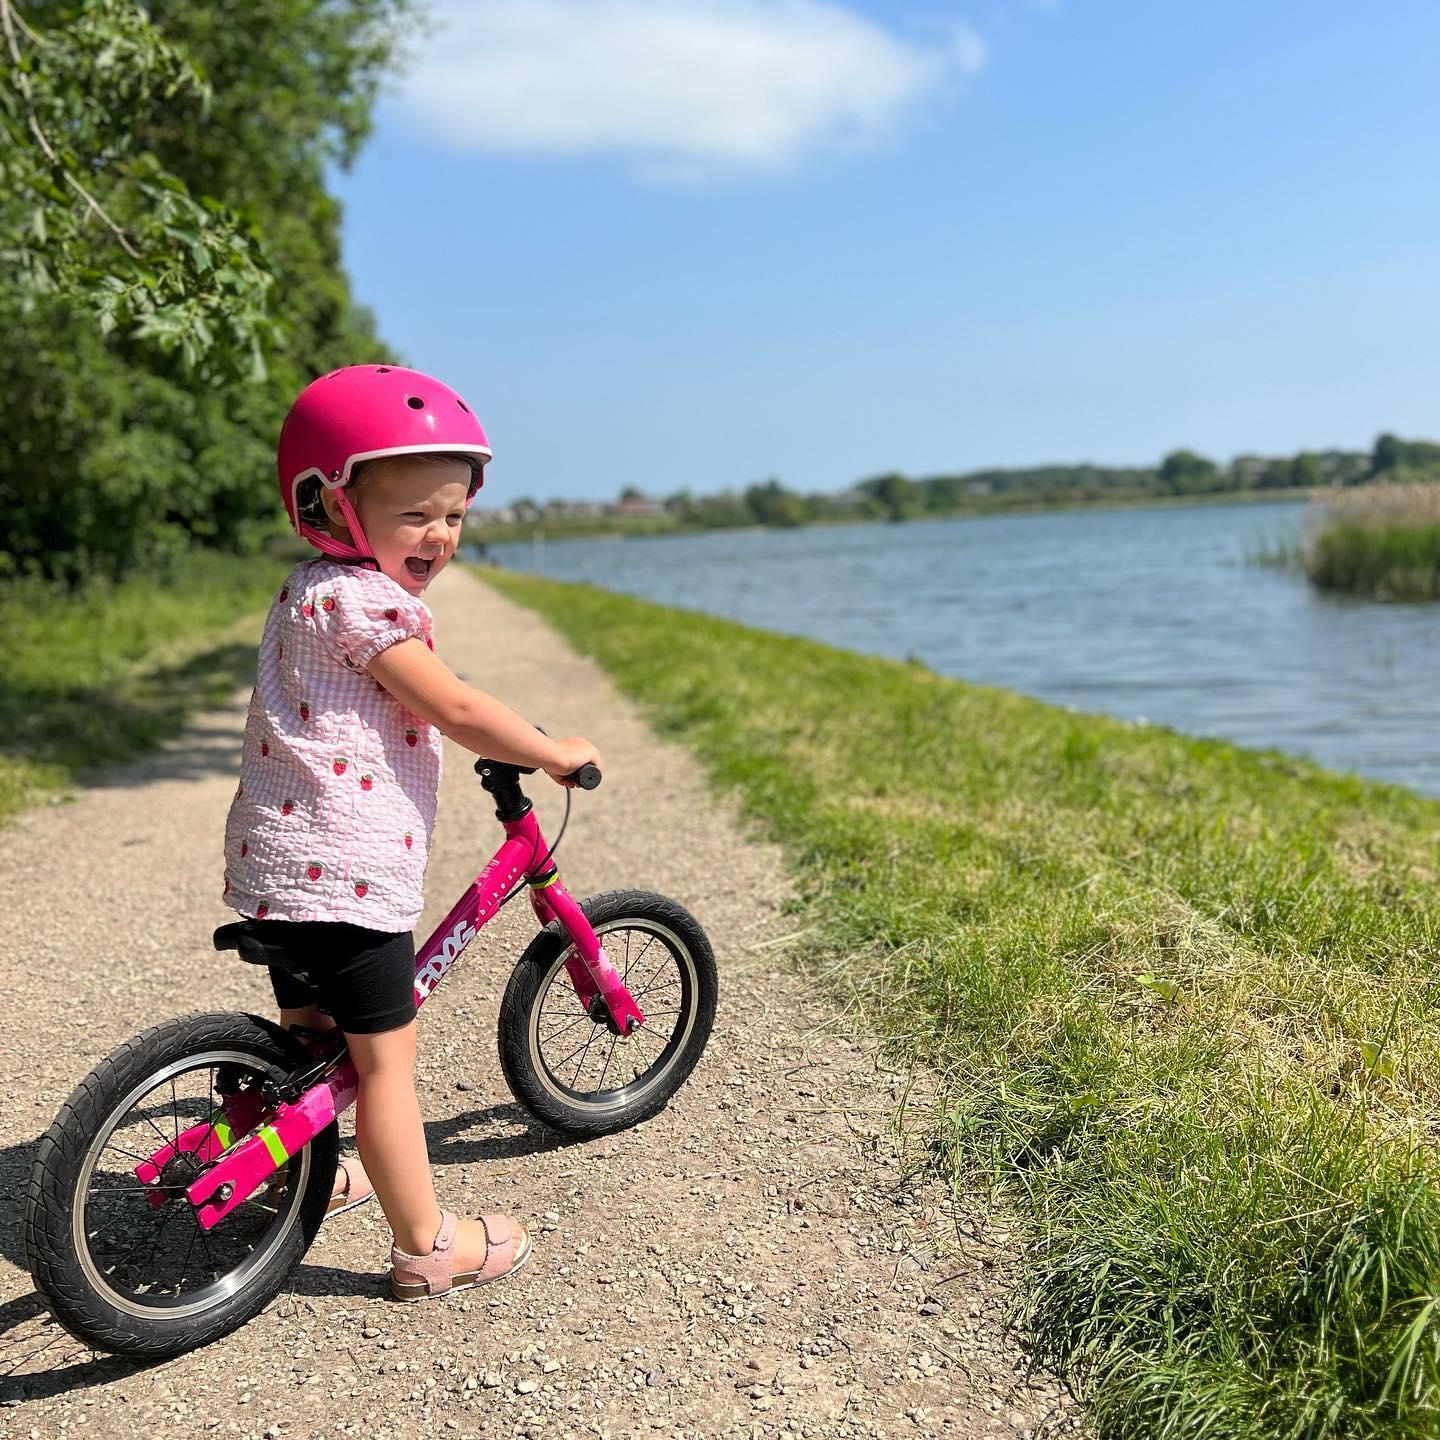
(1382, 541)
(1182, 998)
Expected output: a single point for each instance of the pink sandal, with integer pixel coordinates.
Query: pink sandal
(356, 1190)
(423, 1277)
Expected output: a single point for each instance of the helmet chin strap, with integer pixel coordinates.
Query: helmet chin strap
(339, 548)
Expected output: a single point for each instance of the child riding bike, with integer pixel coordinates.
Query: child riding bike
(328, 835)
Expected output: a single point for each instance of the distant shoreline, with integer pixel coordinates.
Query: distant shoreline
(654, 528)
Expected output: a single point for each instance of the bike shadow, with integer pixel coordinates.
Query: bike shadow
(16, 1162)
(451, 1143)
(28, 1340)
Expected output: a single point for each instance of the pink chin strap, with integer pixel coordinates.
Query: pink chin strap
(339, 548)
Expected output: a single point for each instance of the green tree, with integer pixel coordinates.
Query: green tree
(122, 445)
(772, 504)
(1183, 472)
(899, 497)
(88, 212)
(1386, 455)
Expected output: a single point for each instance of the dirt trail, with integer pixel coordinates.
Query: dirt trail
(749, 1263)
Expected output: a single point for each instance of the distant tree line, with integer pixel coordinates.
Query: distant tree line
(1182, 473)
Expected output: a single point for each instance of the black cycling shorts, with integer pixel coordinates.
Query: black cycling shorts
(364, 978)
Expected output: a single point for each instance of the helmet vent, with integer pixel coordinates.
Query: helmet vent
(462, 404)
(382, 369)
(415, 402)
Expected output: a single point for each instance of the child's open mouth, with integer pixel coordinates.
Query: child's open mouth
(420, 569)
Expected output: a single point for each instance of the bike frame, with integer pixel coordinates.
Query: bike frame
(242, 1168)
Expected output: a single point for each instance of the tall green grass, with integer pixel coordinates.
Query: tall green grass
(91, 678)
(1183, 998)
(1382, 542)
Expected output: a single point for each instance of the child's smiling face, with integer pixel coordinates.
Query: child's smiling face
(410, 510)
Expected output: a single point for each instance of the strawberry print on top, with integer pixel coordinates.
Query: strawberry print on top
(334, 822)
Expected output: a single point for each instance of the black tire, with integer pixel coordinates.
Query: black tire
(533, 1078)
(81, 1280)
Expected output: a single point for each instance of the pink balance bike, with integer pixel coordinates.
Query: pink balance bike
(182, 1182)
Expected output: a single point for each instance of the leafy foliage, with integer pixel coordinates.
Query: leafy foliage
(171, 272)
(89, 214)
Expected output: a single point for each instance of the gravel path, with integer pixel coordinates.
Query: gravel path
(752, 1262)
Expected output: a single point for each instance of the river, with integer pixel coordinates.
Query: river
(1154, 614)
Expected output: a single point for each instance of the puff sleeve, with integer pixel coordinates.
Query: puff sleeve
(359, 613)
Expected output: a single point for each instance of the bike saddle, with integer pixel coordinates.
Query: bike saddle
(241, 936)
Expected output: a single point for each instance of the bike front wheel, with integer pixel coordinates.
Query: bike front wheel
(570, 1068)
(123, 1264)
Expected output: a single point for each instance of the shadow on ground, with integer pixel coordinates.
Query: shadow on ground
(38, 1360)
(90, 730)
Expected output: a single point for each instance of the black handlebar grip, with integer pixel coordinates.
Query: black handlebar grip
(587, 777)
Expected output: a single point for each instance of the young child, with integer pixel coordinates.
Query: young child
(328, 835)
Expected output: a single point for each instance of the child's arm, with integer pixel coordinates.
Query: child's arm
(422, 682)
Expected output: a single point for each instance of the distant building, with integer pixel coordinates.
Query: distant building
(634, 509)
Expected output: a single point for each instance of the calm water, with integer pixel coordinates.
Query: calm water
(1144, 614)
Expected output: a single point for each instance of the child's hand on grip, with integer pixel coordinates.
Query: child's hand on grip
(569, 756)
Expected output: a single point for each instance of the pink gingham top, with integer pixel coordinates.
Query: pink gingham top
(338, 780)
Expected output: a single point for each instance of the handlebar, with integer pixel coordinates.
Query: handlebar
(587, 777)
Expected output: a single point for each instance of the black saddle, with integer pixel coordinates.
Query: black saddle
(245, 936)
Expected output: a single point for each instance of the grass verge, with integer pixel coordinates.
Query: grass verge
(98, 677)
(1182, 997)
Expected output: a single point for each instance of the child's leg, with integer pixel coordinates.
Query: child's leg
(310, 1016)
(390, 1136)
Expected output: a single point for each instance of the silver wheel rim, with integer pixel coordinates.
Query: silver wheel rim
(630, 1095)
(234, 1280)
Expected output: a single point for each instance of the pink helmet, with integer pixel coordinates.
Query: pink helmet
(363, 412)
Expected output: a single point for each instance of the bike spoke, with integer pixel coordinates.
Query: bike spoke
(651, 1038)
(639, 957)
(130, 1154)
(605, 1069)
(136, 1189)
(154, 1239)
(185, 1263)
(556, 1034)
(210, 1126)
(205, 1241)
(154, 1127)
(175, 1111)
(565, 1059)
(650, 984)
(583, 1058)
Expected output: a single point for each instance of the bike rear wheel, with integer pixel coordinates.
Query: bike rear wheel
(571, 1069)
(124, 1266)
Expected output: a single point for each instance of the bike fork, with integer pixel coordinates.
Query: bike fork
(591, 973)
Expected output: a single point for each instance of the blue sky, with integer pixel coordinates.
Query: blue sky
(695, 243)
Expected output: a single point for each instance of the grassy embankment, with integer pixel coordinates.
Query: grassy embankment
(1382, 542)
(1183, 997)
(97, 677)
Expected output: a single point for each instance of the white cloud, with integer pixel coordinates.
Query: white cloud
(681, 87)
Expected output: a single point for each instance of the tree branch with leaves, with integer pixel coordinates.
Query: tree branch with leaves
(89, 216)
